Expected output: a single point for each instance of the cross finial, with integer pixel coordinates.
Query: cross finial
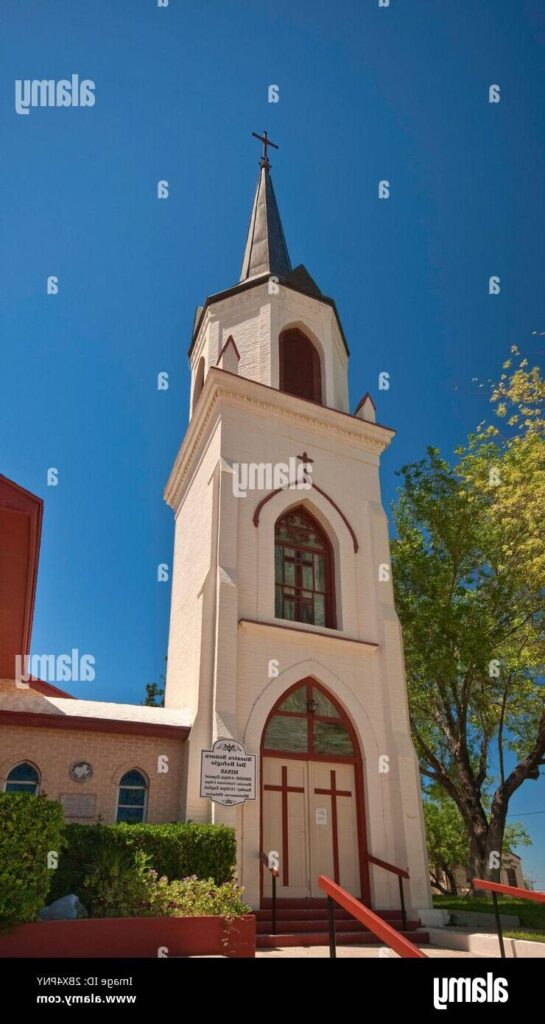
(305, 459)
(264, 162)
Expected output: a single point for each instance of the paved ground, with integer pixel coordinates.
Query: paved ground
(356, 951)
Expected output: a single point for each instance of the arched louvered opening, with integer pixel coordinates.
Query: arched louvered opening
(300, 370)
(199, 383)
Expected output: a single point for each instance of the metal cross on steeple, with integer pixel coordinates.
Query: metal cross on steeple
(266, 142)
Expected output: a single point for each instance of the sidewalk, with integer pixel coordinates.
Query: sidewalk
(348, 952)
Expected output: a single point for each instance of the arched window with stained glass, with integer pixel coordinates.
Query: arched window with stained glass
(132, 797)
(23, 778)
(308, 722)
(303, 571)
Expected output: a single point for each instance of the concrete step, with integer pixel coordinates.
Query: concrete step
(318, 906)
(264, 926)
(319, 938)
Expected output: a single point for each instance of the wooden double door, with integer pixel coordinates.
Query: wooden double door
(309, 813)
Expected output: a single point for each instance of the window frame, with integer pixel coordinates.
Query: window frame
(311, 716)
(37, 784)
(146, 797)
(330, 603)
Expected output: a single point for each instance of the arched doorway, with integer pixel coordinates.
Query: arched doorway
(312, 801)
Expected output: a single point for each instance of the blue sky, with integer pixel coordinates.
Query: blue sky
(366, 93)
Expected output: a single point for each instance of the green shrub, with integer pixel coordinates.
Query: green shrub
(176, 850)
(30, 828)
(530, 914)
(195, 897)
(118, 884)
(121, 884)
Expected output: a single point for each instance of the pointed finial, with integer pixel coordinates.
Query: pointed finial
(264, 162)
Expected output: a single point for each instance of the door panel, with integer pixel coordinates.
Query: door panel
(333, 826)
(286, 805)
(317, 802)
(321, 826)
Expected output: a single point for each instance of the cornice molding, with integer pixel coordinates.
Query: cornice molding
(232, 390)
(260, 625)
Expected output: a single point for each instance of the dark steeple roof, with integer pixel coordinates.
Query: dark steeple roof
(266, 253)
(266, 250)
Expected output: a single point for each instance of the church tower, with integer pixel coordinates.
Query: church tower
(283, 631)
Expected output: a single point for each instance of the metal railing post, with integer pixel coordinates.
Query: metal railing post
(498, 924)
(274, 904)
(331, 919)
(371, 921)
(402, 898)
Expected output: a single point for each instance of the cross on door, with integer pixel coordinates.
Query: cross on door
(285, 789)
(334, 793)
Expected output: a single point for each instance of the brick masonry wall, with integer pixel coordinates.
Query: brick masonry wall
(53, 751)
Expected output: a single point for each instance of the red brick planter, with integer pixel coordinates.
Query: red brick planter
(132, 937)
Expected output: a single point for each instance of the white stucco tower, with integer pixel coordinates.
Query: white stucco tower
(283, 631)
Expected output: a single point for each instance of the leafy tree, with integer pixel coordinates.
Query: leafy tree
(469, 576)
(155, 696)
(448, 841)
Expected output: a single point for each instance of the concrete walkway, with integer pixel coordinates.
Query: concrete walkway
(349, 952)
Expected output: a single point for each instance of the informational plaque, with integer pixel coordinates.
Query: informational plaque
(78, 805)
(321, 815)
(228, 773)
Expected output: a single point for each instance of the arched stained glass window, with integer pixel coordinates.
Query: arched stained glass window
(132, 798)
(303, 571)
(23, 778)
(307, 722)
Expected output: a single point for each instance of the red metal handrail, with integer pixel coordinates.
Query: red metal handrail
(509, 890)
(371, 921)
(401, 874)
(384, 864)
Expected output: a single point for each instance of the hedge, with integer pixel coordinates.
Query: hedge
(176, 850)
(31, 828)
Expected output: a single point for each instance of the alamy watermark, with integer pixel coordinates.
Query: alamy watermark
(51, 668)
(48, 93)
(268, 476)
(469, 990)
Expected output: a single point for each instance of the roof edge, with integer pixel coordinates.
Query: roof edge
(255, 282)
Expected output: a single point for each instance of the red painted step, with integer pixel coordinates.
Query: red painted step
(420, 938)
(265, 927)
(316, 904)
(304, 922)
(318, 914)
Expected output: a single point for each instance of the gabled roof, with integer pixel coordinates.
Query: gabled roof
(298, 280)
(25, 706)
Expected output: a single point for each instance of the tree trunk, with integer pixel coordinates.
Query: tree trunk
(476, 863)
(452, 881)
(485, 851)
